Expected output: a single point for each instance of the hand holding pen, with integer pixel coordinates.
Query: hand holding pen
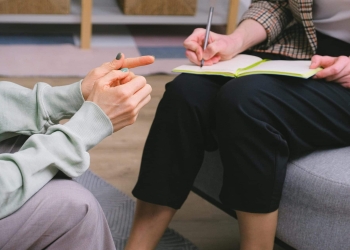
(198, 41)
(204, 47)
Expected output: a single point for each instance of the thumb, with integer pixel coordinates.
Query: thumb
(117, 63)
(315, 62)
(322, 61)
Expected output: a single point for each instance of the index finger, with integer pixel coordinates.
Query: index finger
(134, 62)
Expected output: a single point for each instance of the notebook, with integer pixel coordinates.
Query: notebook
(242, 65)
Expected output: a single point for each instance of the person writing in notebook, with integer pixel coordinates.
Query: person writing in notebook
(260, 121)
(40, 208)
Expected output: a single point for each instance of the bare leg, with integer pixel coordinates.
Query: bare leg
(257, 231)
(150, 222)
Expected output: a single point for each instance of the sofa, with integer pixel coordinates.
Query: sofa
(314, 211)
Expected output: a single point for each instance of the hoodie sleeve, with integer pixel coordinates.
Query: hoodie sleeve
(33, 111)
(50, 148)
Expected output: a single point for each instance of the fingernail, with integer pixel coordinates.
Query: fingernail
(119, 56)
(124, 70)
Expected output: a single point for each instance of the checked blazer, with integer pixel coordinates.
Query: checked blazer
(289, 27)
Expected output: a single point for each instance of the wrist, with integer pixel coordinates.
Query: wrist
(90, 124)
(237, 39)
(249, 33)
(85, 91)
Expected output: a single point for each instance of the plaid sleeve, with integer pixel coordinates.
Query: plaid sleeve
(273, 15)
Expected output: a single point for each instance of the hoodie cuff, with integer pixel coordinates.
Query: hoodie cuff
(90, 124)
(63, 102)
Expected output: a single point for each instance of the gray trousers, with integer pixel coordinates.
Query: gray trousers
(62, 215)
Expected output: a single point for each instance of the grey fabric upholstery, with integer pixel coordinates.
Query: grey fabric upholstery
(315, 207)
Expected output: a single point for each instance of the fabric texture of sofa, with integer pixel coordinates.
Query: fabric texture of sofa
(314, 211)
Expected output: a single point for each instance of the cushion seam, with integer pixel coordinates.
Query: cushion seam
(317, 176)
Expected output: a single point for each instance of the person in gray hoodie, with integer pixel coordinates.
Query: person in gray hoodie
(40, 208)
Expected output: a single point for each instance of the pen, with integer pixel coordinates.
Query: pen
(207, 32)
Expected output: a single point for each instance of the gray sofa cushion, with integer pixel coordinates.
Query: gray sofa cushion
(315, 207)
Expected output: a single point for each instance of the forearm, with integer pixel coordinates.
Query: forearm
(273, 16)
(250, 33)
(62, 147)
(32, 111)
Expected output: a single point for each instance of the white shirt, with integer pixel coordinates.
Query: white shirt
(332, 17)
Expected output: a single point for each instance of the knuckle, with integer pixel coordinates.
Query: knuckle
(132, 120)
(142, 79)
(99, 82)
(130, 108)
(95, 71)
(148, 99)
(334, 70)
(122, 94)
(106, 64)
(131, 75)
(197, 30)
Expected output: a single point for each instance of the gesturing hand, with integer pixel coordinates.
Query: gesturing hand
(335, 69)
(120, 103)
(122, 62)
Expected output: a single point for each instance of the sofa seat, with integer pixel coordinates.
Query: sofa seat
(314, 211)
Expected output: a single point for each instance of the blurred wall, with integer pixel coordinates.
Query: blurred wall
(243, 6)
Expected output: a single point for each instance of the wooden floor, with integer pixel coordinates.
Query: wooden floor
(117, 160)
